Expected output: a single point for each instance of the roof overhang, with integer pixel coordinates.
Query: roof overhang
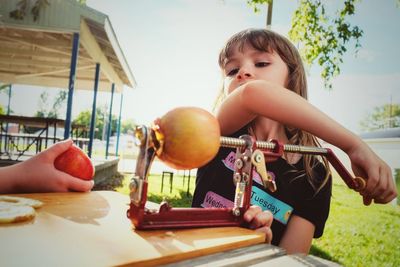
(39, 52)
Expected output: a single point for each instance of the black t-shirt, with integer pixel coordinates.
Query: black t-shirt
(294, 195)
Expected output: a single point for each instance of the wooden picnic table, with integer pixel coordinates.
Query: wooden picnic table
(91, 229)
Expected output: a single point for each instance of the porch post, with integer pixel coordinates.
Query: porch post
(110, 119)
(71, 86)
(8, 104)
(93, 118)
(119, 123)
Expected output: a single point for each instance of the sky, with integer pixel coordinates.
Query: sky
(172, 49)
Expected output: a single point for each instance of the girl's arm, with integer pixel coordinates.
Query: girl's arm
(261, 98)
(38, 174)
(298, 236)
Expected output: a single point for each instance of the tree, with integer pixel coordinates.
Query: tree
(22, 6)
(386, 116)
(4, 88)
(34, 6)
(58, 102)
(322, 38)
(128, 126)
(85, 117)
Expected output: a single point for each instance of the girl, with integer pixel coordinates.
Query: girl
(264, 95)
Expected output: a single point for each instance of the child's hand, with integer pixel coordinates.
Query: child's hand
(259, 220)
(380, 184)
(38, 174)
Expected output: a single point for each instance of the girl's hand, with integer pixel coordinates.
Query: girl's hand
(260, 221)
(38, 174)
(380, 184)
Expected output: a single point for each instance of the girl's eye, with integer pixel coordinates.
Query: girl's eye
(262, 64)
(232, 72)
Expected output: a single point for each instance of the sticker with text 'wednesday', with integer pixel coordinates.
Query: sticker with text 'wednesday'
(279, 209)
(213, 200)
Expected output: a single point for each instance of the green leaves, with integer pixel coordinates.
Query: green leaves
(256, 3)
(58, 101)
(39, 4)
(20, 12)
(84, 118)
(324, 39)
(4, 89)
(4, 86)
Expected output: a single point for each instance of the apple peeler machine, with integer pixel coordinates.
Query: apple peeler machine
(250, 154)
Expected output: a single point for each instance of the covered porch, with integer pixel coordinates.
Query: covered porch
(65, 45)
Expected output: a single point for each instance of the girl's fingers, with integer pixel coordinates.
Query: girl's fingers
(383, 190)
(251, 213)
(367, 200)
(387, 197)
(76, 184)
(57, 149)
(388, 193)
(372, 181)
(268, 233)
(257, 218)
(382, 187)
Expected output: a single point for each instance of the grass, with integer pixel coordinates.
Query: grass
(358, 235)
(355, 235)
(178, 197)
(397, 178)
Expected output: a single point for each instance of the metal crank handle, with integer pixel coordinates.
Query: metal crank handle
(357, 183)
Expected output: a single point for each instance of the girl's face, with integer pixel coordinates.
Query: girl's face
(251, 64)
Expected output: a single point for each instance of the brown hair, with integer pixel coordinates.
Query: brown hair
(267, 41)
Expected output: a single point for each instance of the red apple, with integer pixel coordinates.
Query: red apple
(190, 137)
(75, 162)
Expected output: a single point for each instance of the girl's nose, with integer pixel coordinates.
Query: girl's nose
(244, 73)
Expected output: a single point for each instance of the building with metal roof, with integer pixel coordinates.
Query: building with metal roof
(38, 52)
(63, 44)
(383, 133)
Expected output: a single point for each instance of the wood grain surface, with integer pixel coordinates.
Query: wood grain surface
(91, 229)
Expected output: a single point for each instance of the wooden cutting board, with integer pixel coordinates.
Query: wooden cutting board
(91, 229)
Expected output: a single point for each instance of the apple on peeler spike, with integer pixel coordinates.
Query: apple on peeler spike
(189, 137)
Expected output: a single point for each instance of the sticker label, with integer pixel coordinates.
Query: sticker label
(213, 200)
(229, 162)
(279, 209)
